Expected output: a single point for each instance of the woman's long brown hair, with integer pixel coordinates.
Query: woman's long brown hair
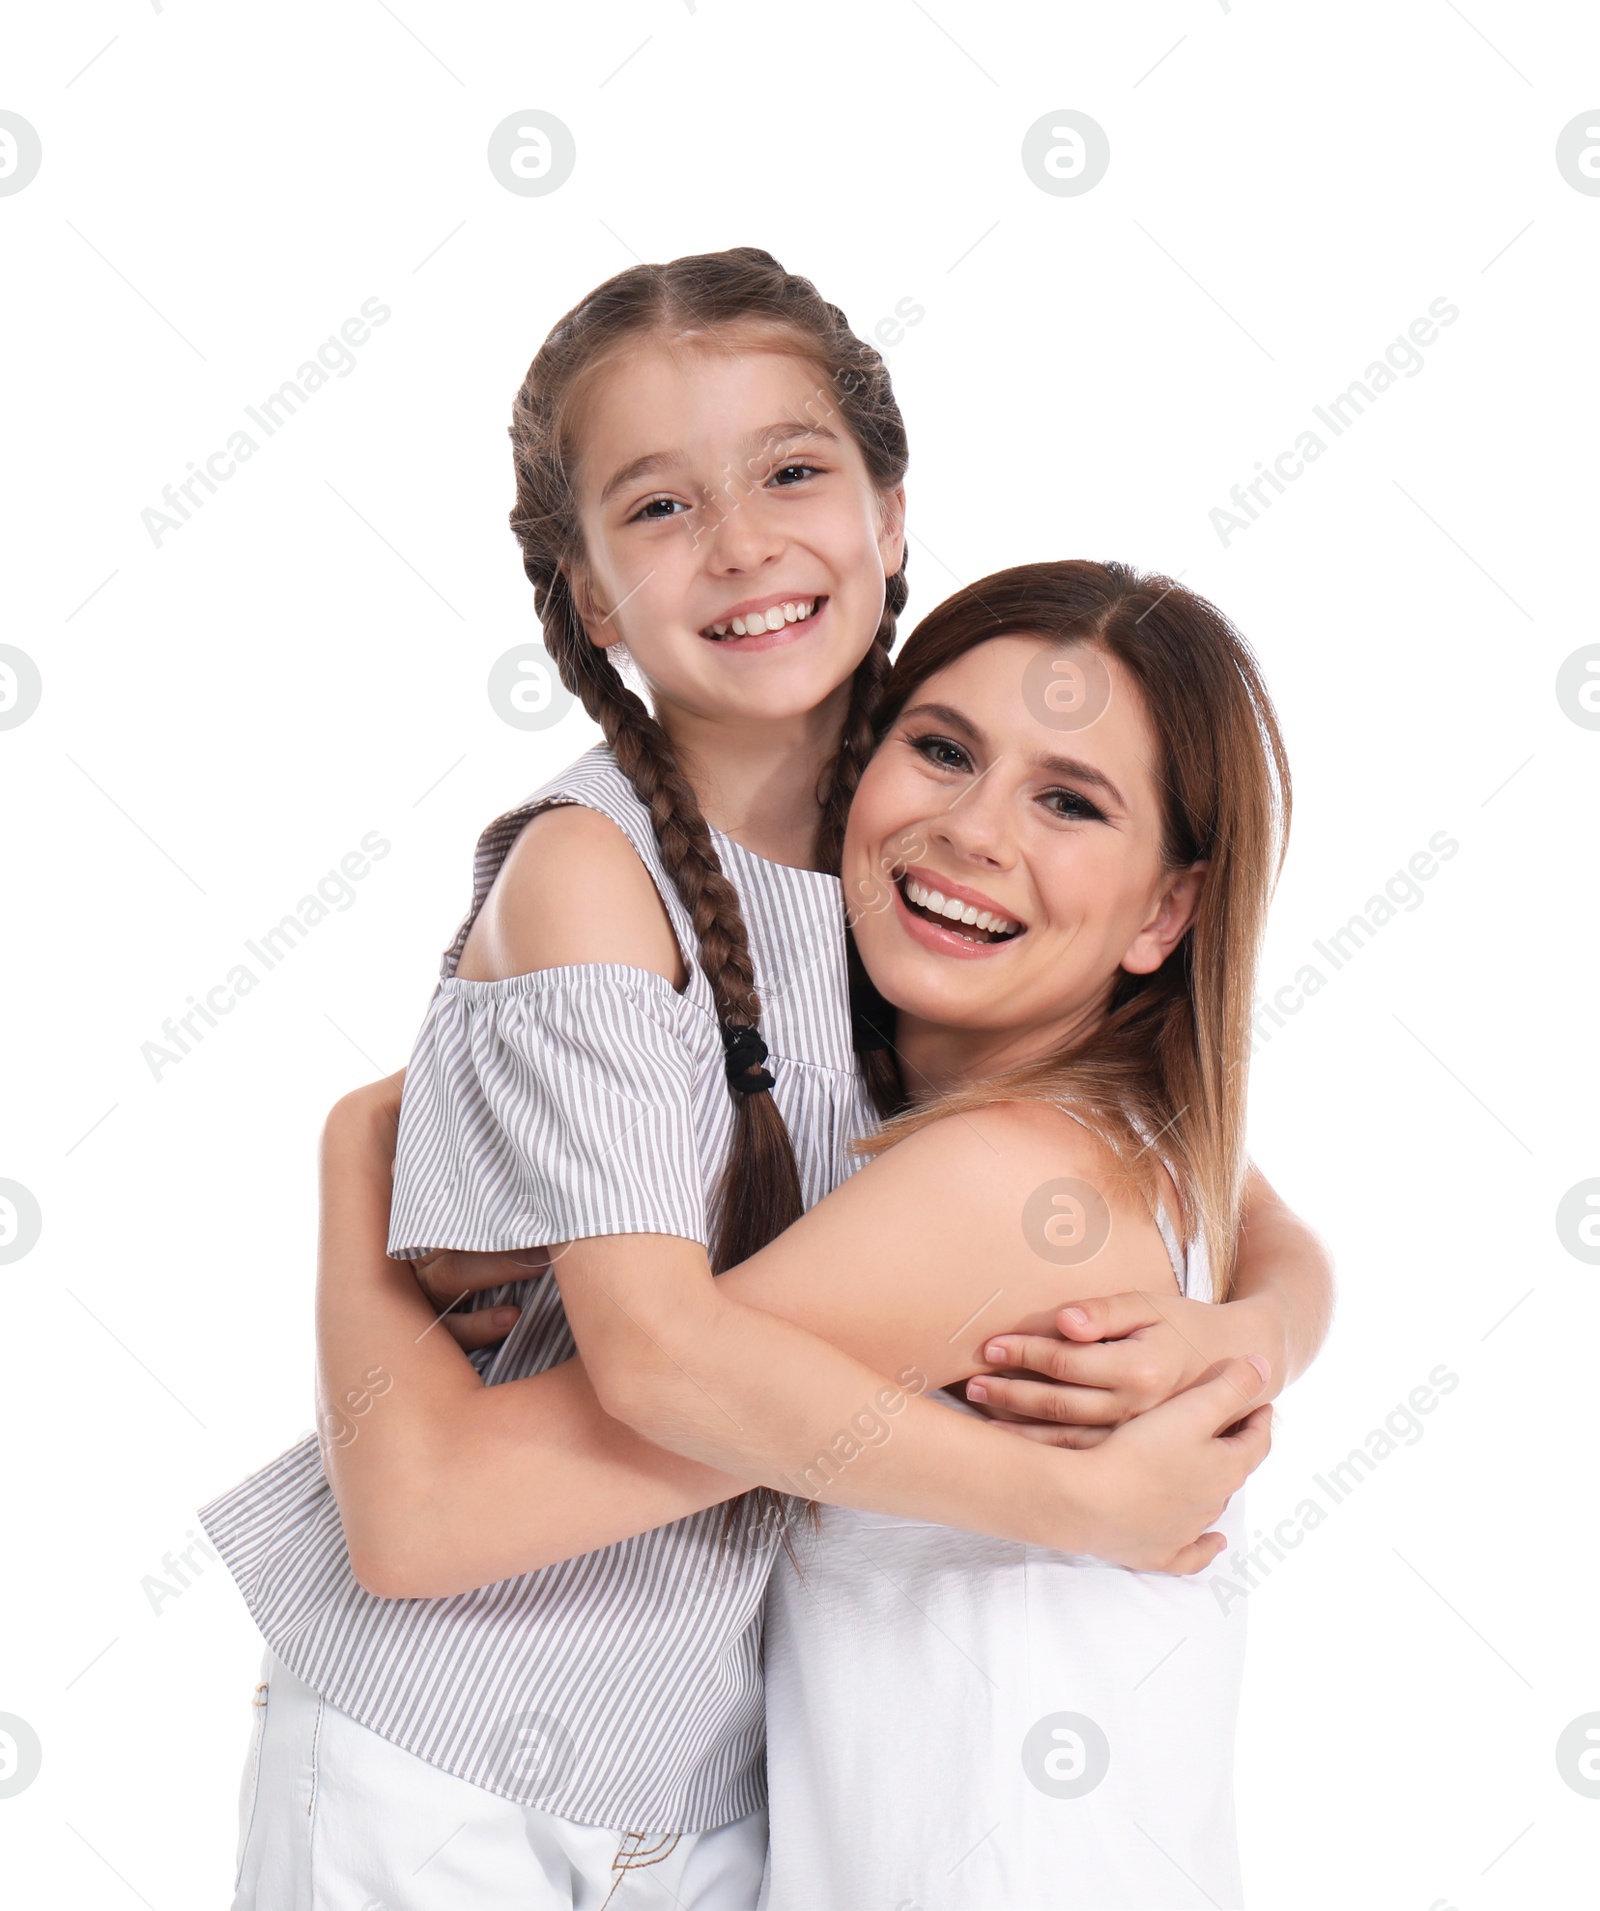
(1164, 1072)
(729, 298)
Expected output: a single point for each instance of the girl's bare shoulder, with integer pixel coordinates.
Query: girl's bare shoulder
(571, 890)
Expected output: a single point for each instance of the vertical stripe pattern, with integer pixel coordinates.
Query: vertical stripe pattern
(623, 1688)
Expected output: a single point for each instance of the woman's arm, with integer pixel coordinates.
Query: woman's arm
(1117, 1355)
(446, 1484)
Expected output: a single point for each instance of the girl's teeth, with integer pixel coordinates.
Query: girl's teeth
(969, 914)
(983, 920)
(955, 910)
(756, 622)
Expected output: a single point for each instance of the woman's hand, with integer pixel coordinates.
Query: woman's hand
(366, 1122)
(451, 1276)
(361, 1132)
(1117, 1357)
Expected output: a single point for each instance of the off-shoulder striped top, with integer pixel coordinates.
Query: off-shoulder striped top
(623, 1688)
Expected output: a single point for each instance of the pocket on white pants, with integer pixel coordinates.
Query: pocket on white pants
(250, 1777)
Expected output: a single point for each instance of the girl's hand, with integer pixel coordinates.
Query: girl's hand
(1116, 1357)
(1149, 1493)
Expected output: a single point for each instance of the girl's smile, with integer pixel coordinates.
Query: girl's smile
(762, 623)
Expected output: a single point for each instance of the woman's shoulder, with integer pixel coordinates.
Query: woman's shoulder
(1025, 1170)
(1012, 1139)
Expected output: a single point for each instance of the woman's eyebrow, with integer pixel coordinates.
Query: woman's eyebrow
(1068, 766)
(1081, 772)
(950, 718)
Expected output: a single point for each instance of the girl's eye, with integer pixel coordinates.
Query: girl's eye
(793, 473)
(1072, 806)
(941, 752)
(654, 509)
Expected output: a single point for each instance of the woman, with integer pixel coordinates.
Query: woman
(1093, 1708)
(1062, 898)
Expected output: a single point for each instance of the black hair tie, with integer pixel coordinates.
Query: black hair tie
(744, 1052)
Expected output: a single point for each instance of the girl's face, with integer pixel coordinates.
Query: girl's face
(1002, 869)
(720, 493)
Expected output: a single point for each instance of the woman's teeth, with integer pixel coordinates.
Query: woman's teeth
(958, 912)
(759, 620)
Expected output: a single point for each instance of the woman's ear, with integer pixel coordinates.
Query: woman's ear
(1164, 928)
(600, 629)
(892, 534)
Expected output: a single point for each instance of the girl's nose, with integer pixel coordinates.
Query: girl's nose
(740, 533)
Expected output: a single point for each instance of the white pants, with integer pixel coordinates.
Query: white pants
(334, 1818)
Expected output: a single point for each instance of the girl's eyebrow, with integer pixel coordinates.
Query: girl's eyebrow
(1069, 766)
(652, 461)
(769, 439)
(791, 431)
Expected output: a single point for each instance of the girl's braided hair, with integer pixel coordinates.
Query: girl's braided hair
(703, 297)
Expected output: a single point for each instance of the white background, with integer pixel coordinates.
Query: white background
(226, 714)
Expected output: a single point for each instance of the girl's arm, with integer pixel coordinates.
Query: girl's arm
(445, 1484)
(436, 1488)
(1284, 1277)
(1106, 1359)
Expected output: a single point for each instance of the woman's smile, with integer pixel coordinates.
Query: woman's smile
(951, 919)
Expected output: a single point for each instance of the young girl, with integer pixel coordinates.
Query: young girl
(709, 470)
(1067, 925)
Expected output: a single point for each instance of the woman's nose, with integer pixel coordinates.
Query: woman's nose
(975, 824)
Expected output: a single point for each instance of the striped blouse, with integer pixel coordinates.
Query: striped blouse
(623, 1688)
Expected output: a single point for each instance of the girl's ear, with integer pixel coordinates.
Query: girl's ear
(1164, 928)
(892, 534)
(601, 631)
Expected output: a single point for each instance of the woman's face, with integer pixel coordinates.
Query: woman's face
(979, 797)
(721, 492)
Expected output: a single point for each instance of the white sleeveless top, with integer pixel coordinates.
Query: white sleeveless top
(956, 1722)
(623, 1688)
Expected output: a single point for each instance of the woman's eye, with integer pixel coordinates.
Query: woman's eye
(941, 752)
(1069, 804)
